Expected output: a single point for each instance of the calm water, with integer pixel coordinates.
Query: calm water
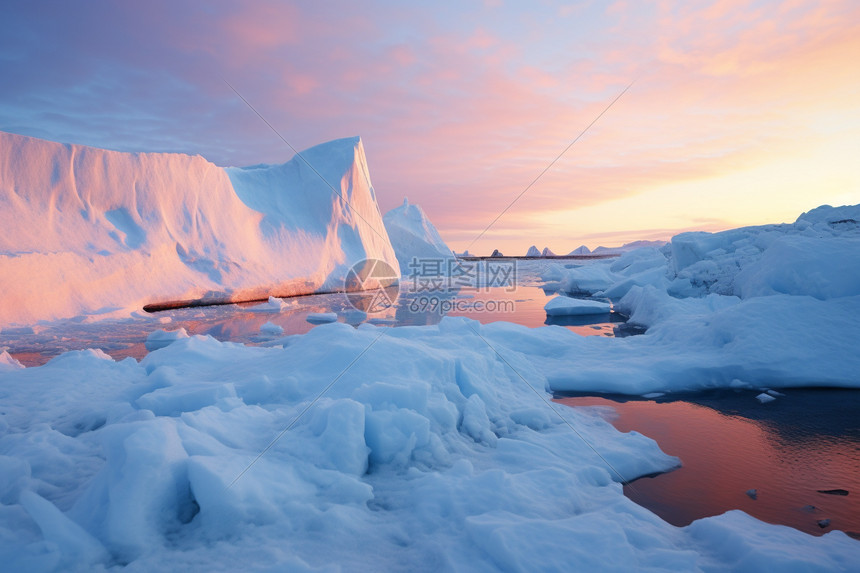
(729, 443)
(522, 304)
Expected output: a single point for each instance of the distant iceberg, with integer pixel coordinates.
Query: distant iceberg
(581, 250)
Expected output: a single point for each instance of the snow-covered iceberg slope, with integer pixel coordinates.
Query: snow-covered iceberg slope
(85, 230)
(413, 236)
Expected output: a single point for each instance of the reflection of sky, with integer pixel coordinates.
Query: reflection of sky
(725, 453)
(743, 112)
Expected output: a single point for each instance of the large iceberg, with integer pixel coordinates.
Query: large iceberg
(85, 230)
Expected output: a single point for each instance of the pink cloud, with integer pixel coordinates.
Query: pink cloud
(461, 109)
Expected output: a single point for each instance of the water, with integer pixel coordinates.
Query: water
(521, 303)
(729, 443)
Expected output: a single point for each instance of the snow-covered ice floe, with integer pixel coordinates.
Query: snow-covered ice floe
(432, 448)
(271, 328)
(774, 306)
(569, 306)
(97, 232)
(321, 317)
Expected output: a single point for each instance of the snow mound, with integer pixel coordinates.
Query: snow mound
(567, 306)
(414, 238)
(91, 231)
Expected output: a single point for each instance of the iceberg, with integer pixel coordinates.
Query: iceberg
(415, 239)
(533, 251)
(92, 231)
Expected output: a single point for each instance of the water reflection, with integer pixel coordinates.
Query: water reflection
(239, 323)
(729, 443)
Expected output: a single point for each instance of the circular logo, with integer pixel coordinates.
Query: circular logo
(372, 286)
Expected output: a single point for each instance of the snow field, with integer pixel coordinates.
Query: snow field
(410, 448)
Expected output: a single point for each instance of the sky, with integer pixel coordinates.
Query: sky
(739, 112)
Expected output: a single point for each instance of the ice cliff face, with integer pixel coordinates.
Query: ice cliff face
(85, 230)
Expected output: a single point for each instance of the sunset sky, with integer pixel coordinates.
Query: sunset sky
(740, 112)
